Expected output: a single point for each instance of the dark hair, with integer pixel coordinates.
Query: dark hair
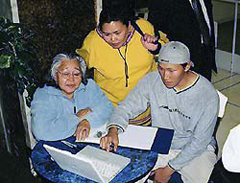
(57, 61)
(116, 10)
(184, 65)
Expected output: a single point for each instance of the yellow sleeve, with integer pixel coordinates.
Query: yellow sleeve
(145, 26)
(163, 38)
(84, 51)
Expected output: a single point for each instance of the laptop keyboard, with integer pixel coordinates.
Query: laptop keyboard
(107, 164)
(107, 170)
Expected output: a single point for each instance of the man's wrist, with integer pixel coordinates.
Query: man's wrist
(119, 129)
(113, 129)
(169, 166)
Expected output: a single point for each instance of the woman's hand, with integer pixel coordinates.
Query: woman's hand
(148, 42)
(110, 139)
(83, 112)
(83, 130)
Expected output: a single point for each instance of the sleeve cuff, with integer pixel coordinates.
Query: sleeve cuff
(171, 167)
(119, 128)
(155, 52)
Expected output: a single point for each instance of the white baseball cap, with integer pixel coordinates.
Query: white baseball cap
(174, 52)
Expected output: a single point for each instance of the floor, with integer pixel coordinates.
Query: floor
(12, 170)
(229, 84)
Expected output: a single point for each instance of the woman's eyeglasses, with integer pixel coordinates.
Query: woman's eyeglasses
(68, 74)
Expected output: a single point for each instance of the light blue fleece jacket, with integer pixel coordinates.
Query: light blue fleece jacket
(191, 113)
(53, 116)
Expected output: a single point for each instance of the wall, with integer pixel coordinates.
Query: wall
(5, 9)
(223, 11)
(224, 61)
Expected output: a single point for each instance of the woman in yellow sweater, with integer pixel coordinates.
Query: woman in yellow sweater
(121, 54)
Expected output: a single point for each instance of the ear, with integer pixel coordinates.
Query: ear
(188, 66)
(55, 78)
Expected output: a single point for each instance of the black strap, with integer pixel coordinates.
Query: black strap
(138, 29)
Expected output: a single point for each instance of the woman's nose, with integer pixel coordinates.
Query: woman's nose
(71, 77)
(113, 38)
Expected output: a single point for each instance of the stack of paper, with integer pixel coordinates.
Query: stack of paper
(139, 137)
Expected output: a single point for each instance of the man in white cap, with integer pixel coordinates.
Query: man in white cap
(181, 100)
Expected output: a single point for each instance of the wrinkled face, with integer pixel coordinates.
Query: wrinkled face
(172, 74)
(115, 33)
(68, 77)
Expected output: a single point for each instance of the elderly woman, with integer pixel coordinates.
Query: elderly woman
(71, 105)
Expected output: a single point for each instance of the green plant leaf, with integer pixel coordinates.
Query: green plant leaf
(5, 61)
(17, 56)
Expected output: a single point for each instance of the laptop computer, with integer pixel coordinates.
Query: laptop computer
(91, 162)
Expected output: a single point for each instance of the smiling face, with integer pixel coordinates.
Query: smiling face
(68, 76)
(115, 33)
(173, 75)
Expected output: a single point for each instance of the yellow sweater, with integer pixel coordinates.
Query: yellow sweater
(109, 72)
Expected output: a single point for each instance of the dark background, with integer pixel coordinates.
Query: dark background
(58, 26)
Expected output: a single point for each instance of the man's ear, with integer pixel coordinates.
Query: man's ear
(188, 66)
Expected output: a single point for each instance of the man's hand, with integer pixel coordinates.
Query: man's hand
(83, 130)
(110, 139)
(83, 112)
(148, 42)
(162, 175)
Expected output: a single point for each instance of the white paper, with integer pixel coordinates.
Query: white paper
(139, 137)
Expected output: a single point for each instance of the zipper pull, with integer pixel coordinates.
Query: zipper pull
(75, 110)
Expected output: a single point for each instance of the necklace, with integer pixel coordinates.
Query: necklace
(124, 57)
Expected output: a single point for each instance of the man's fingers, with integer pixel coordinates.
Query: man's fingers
(115, 147)
(108, 145)
(103, 143)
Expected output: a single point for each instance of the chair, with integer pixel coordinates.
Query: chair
(26, 117)
(176, 177)
(222, 105)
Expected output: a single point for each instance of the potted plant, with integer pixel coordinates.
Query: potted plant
(16, 76)
(17, 57)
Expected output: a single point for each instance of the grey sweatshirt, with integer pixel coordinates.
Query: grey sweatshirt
(191, 113)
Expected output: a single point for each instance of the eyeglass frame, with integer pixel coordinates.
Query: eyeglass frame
(68, 75)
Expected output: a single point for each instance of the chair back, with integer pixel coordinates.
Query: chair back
(26, 117)
(222, 104)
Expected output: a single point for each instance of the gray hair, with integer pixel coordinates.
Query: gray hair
(57, 61)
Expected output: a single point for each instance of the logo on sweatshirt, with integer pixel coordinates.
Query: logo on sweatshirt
(175, 110)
